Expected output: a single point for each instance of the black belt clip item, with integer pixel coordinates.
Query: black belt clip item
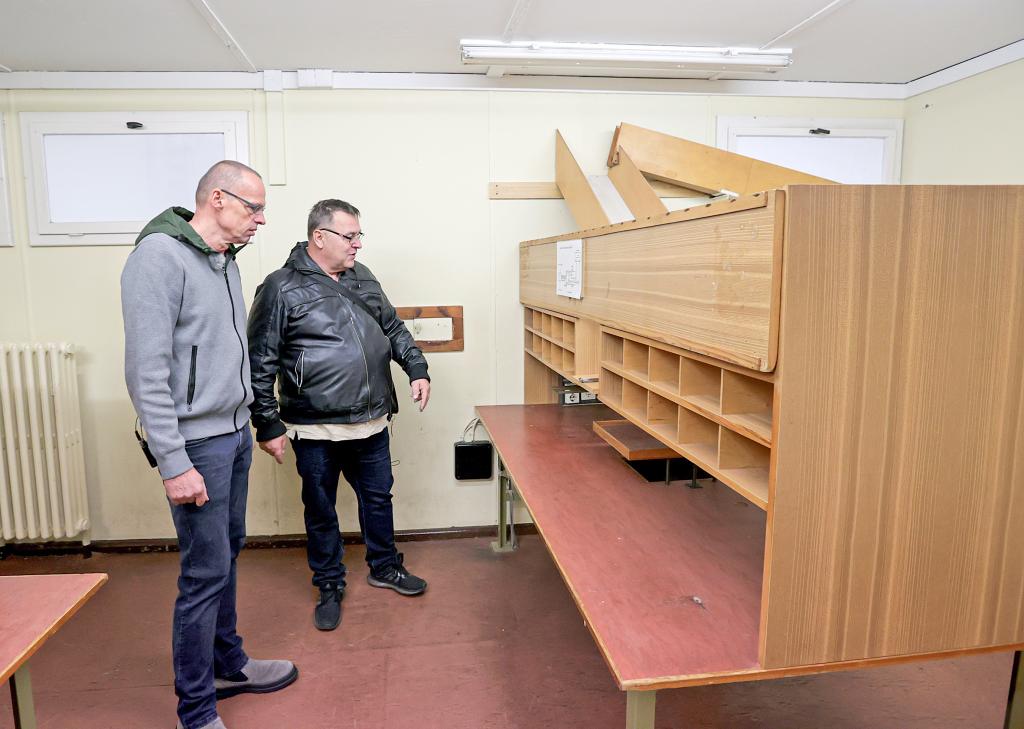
(474, 459)
(144, 445)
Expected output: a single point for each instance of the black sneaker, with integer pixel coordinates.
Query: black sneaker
(327, 614)
(397, 577)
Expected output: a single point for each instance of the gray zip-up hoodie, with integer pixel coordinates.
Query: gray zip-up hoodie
(186, 358)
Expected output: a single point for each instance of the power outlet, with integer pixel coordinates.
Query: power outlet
(572, 398)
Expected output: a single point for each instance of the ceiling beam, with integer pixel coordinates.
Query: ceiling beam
(1010, 53)
(450, 82)
(218, 27)
(805, 22)
(515, 19)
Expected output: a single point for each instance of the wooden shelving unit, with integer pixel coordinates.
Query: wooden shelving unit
(718, 418)
(551, 339)
(845, 357)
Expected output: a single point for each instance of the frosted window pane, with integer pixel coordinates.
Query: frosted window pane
(94, 178)
(853, 160)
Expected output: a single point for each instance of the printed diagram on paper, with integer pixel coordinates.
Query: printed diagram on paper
(569, 268)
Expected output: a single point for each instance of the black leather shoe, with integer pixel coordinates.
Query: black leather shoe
(327, 614)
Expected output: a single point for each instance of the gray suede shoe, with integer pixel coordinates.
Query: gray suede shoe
(215, 724)
(257, 677)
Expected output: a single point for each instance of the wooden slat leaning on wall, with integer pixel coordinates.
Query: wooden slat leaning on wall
(895, 524)
(698, 166)
(575, 188)
(634, 188)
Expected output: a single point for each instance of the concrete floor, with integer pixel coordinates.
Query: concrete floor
(495, 643)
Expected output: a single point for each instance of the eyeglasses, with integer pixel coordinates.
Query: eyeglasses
(254, 209)
(358, 235)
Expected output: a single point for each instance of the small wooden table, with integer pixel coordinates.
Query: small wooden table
(32, 608)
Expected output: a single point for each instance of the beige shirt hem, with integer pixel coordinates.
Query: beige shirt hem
(337, 431)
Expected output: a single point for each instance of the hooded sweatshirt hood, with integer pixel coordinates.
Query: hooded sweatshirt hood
(174, 222)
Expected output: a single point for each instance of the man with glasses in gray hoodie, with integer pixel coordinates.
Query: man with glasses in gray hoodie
(187, 371)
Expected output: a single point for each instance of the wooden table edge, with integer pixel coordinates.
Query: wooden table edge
(20, 660)
(762, 674)
(579, 605)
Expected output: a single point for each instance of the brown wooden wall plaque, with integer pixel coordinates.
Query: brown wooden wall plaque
(456, 344)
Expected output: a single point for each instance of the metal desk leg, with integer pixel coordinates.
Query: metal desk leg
(506, 541)
(1015, 704)
(21, 699)
(640, 709)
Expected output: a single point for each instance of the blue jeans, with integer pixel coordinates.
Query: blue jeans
(205, 643)
(366, 464)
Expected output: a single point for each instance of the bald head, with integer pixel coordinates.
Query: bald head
(226, 174)
(230, 200)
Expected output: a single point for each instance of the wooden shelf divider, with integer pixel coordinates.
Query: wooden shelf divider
(716, 417)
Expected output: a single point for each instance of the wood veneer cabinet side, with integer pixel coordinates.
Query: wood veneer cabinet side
(896, 496)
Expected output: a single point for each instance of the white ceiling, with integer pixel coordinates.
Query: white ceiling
(869, 41)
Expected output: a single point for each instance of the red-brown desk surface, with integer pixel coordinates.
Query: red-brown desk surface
(33, 607)
(635, 554)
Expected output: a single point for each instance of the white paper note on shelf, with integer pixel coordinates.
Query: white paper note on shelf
(569, 268)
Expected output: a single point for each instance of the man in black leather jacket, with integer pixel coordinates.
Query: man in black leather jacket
(322, 327)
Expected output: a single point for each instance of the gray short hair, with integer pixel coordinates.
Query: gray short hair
(223, 174)
(321, 214)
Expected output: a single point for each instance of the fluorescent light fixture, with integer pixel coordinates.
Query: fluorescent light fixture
(625, 57)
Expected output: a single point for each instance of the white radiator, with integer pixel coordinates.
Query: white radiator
(42, 468)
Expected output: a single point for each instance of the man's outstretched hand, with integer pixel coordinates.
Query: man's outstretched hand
(421, 392)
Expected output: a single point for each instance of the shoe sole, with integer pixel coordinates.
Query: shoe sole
(227, 693)
(326, 627)
(401, 591)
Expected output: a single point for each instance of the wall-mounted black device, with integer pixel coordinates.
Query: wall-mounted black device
(474, 459)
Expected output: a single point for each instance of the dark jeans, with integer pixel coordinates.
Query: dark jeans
(366, 464)
(205, 643)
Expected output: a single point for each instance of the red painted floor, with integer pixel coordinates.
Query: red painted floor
(495, 643)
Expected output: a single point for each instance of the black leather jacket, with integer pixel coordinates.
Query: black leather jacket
(330, 359)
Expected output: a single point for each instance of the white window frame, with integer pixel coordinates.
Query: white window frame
(6, 231)
(890, 131)
(234, 125)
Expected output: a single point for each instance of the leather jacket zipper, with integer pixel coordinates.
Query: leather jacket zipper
(300, 368)
(192, 378)
(366, 367)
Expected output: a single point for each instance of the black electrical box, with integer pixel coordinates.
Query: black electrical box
(474, 459)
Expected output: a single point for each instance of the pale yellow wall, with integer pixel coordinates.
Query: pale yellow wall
(968, 132)
(70, 294)
(417, 164)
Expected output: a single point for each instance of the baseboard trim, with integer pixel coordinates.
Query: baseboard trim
(277, 541)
